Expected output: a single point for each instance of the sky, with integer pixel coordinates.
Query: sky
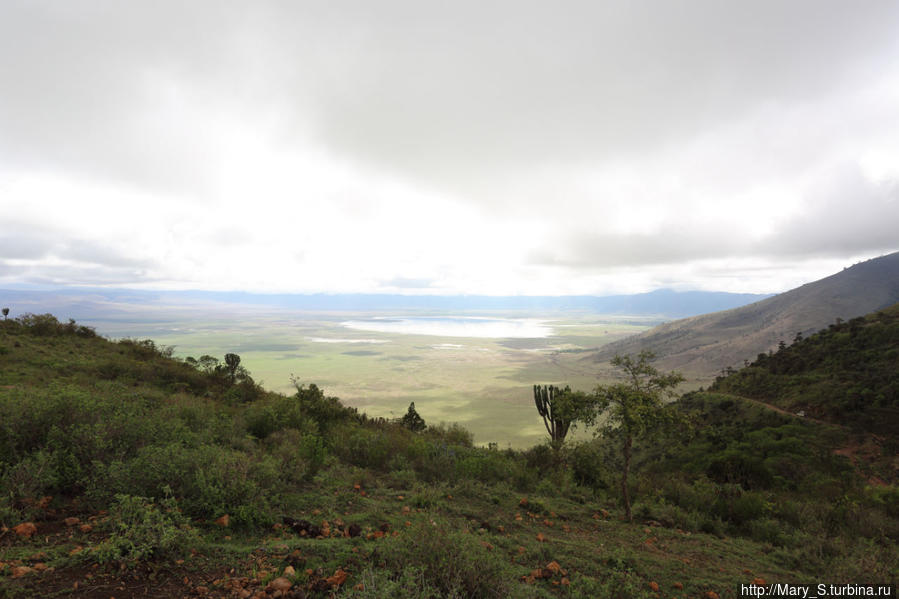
(499, 148)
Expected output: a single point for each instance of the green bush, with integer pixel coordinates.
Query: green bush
(588, 466)
(454, 564)
(299, 456)
(142, 529)
(208, 480)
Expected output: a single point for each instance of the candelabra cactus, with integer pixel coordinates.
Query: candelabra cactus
(547, 400)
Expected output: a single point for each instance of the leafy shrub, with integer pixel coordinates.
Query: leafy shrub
(208, 480)
(365, 447)
(325, 411)
(452, 434)
(488, 466)
(588, 465)
(142, 529)
(456, 565)
(299, 456)
(46, 325)
(31, 478)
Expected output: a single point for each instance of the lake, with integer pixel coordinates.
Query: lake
(456, 326)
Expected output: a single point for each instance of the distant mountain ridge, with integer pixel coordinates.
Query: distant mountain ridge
(93, 303)
(703, 345)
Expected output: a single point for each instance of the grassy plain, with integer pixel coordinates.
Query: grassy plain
(482, 383)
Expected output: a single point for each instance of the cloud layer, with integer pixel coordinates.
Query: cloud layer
(500, 147)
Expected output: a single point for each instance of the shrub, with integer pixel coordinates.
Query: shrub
(588, 466)
(367, 448)
(208, 480)
(142, 529)
(299, 456)
(452, 434)
(455, 564)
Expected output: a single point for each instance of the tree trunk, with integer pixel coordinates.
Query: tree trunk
(626, 450)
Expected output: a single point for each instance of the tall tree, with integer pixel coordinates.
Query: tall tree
(412, 420)
(635, 407)
(232, 361)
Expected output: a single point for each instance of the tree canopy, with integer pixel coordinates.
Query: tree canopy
(635, 407)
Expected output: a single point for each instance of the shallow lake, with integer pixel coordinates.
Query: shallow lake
(459, 326)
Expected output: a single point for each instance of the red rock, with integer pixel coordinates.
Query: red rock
(20, 571)
(25, 529)
(554, 567)
(523, 502)
(279, 584)
(540, 537)
(338, 578)
(712, 595)
(224, 520)
(759, 581)
(85, 528)
(654, 585)
(72, 521)
(678, 585)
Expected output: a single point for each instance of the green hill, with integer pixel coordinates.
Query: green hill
(847, 374)
(127, 473)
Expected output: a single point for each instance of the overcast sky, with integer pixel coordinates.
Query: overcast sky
(447, 147)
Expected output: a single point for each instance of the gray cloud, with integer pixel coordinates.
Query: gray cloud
(33, 242)
(603, 250)
(51, 274)
(474, 91)
(547, 119)
(846, 215)
(457, 94)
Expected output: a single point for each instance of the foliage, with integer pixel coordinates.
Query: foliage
(561, 409)
(142, 529)
(45, 325)
(453, 564)
(635, 407)
(412, 421)
(124, 426)
(232, 361)
(847, 373)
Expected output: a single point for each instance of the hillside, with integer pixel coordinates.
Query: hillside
(126, 473)
(847, 374)
(704, 345)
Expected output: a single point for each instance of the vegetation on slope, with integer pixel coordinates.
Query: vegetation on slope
(846, 374)
(185, 481)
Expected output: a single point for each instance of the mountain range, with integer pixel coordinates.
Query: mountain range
(95, 304)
